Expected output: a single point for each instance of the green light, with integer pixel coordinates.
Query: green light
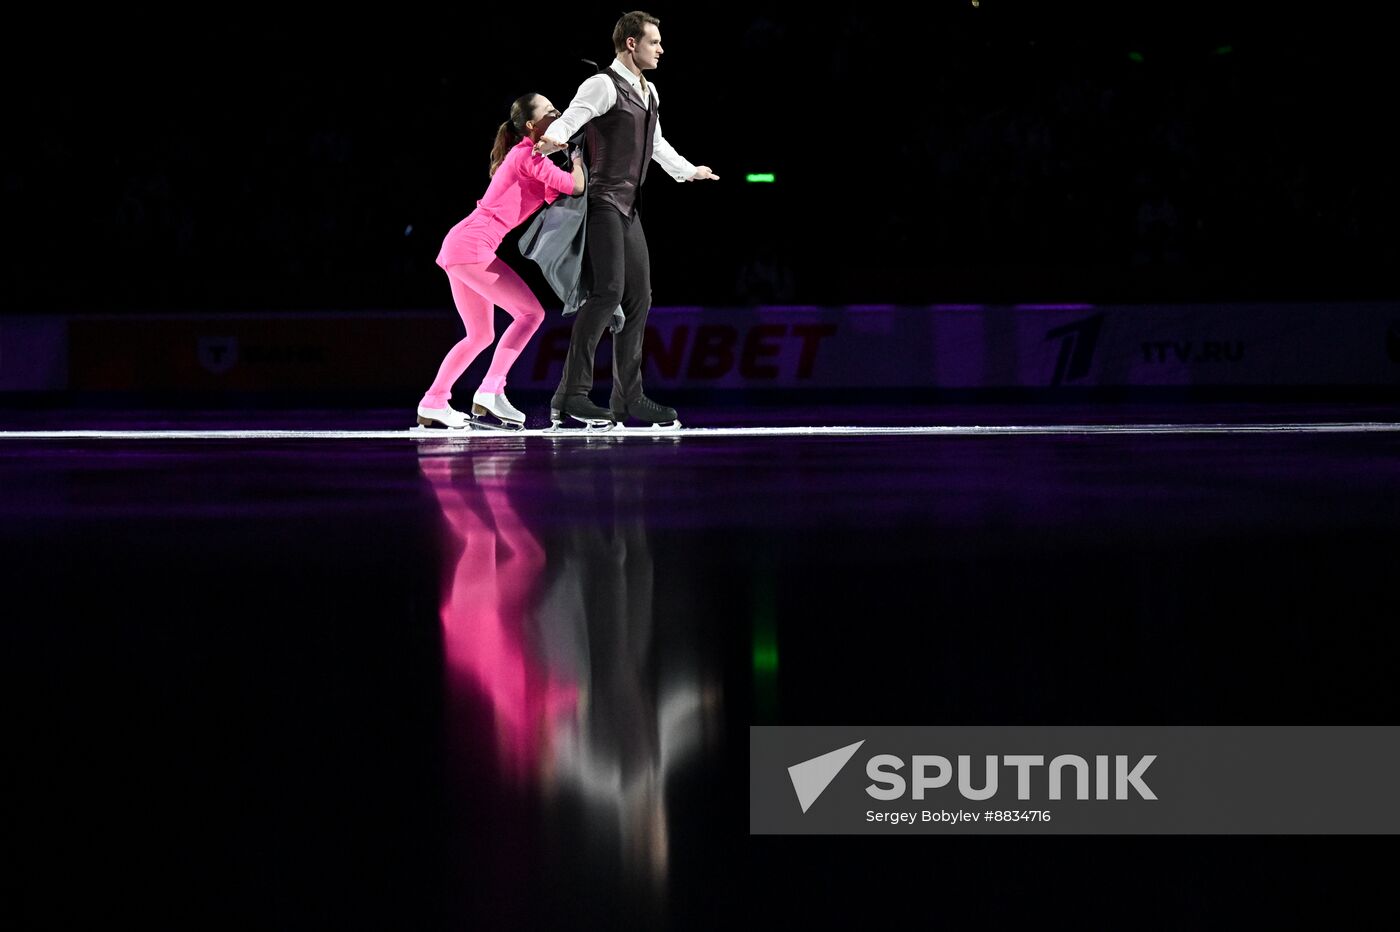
(765, 658)
(760, 177)
(765, 647)
(765, 629)
(1225, 50)
(1136, 57)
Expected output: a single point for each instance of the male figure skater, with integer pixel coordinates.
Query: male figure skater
(620, 109)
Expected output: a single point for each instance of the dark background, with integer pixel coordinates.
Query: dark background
(226, 661)
(246, 159)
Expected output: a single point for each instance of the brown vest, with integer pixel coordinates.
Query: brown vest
(619, 147)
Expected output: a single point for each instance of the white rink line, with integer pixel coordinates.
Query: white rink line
(622, 434)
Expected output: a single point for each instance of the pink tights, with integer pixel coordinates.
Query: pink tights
(478, 288)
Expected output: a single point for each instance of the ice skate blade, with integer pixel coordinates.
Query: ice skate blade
(482, 419)
(498, 426)
(591, 425)
(666, 427)
(557, 427)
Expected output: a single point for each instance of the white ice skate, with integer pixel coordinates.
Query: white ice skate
(445, 417)
(495, 404)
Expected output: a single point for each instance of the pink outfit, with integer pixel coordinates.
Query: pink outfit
(481, 282)
(522, 184)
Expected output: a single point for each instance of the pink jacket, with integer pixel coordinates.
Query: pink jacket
(522, 183)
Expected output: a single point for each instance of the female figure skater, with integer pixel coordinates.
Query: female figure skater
(521, 181)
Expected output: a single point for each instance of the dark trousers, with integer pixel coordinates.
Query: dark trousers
(617, 258)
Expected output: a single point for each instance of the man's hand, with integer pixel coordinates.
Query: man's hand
(545, 145)
(703, 173)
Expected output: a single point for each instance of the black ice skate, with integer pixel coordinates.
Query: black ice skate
(654, 416)
(582, 410)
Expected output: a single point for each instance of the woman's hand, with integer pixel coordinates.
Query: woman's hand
(579, 181)
(544, 146)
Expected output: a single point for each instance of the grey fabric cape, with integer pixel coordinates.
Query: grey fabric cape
(554, 239)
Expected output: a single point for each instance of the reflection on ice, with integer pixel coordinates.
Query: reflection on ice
(595, 701)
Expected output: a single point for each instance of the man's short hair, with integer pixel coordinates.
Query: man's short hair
(632, 25)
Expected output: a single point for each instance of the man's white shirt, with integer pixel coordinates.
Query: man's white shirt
(597, 96)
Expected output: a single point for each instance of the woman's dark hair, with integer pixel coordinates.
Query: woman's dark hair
(512, 130)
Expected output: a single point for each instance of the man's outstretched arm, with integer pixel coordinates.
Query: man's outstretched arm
(595, 96)
(676, 165)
